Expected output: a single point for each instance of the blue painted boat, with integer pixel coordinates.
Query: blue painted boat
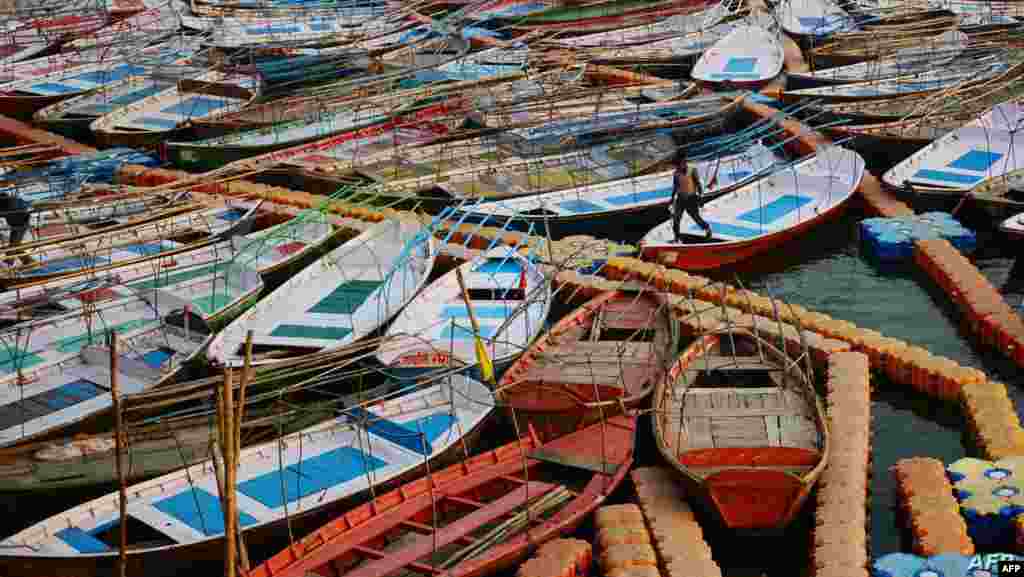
(286, 480)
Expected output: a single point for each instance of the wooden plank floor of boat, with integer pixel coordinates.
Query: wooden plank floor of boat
(741, 417)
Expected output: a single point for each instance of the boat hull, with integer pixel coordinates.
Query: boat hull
(182, 558)
(712, 256)
(23, 106)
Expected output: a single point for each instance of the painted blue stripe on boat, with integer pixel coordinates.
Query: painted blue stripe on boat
(730, 230)
(196, 106)
(580, 206)
(199, 510)
(812, 21)
(397, 433)
(81, 541)
(459, 332)
(309, 476)
(320, 26)
(70, 264)
(929, 174)
(481, 312)
(976, 160)
(500, 266)
(145, 249)
(775, 209)
(740, 65)
(157, 358)
(642, 196)
(156, 123)
(727, 75)
(112, 75)
(137, 95)
(231, 214)
(433, 426)
(70, 394)
(54, 88)
(293, 331)
(274, 30)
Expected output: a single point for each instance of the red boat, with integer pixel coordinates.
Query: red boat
(761, 215)
(472, 519)
(605, 355)
(745, 428)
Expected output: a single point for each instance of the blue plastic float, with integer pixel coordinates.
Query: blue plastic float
(892, 239)
(945, 565)
(991, 494)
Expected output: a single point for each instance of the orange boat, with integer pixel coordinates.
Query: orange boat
(605, 355)
(471, 519)
(744, 425)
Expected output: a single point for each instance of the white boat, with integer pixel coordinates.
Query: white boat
(929, 54)
(1013, 227)
(625, 195)
(962, 71)
(279, 481)
(751, 54)
(762, 214)
(349, 293)
(510, 297)
(54, 370)
(39, 91)
(152, 118)
(301, 29)
(80, 253)
(685, 46)
(813, 17)
(984, 148)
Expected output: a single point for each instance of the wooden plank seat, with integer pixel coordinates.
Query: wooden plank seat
(730, 363)
(603, 362)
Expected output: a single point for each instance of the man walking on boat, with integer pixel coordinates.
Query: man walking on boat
(686, 193)
(17, 213)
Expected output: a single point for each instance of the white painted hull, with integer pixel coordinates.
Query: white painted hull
(750, 54)
(344, 296)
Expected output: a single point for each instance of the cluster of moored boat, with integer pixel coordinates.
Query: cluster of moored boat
(370, 367)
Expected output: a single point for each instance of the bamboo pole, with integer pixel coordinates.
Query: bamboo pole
(228, 441)
(243, 554)
(122, 495)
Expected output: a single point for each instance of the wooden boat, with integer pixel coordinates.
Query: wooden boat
(881, 38)
(24, 98)
(510, 297)
(297, 29)
(74, 115)
(663, 29)
(676, 50)
(1001, 197)
(749, 55)
(763, 214)
(981, 149)
(55, 369)
(474, 496)
(285, 480)
(604, 356)
(929, 54)
(119, 245)
(153, 449)
(745, 428)
(963, 71)
(1013, 227)
(346, 295)
(217, 151)
(813, 17)
(267, 252)
(920, 121)
(562, 212)
(603, 16)
(155, 117)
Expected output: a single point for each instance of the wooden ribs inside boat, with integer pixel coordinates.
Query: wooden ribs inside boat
(744, 425)
(610, 348)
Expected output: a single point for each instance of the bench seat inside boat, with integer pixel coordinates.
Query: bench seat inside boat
(730, 417)
(585, 362)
